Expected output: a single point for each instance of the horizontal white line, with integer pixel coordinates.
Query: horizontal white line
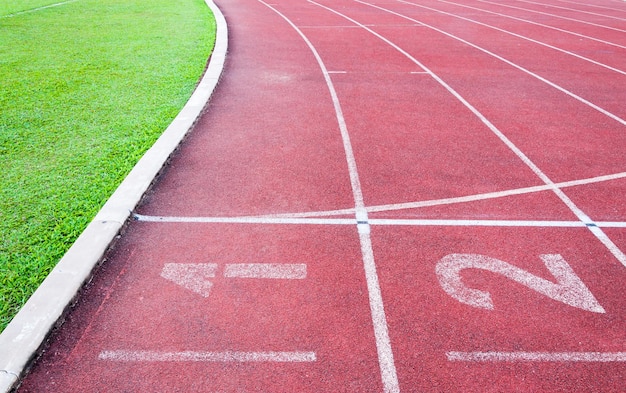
(488, 223)
(384, 221)
(249, 220)
(536, 356)
(195, 356)
(292, 271)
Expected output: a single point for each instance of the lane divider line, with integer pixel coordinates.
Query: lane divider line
(574, 9)
(600, 235)
(554, 16)
(608, 67)
(535, 23)
(512, 64)
(386, 362)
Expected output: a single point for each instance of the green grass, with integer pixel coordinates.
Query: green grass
(86, 88)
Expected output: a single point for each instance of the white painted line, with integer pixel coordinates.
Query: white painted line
(522, 37)
(199, 356)
(553, 15)
(382, 208)
(496, 194)
(296, 271)
(345, 136)
(574, 9)
(392, 222)
(248, 220)
(536, 356)
(381, 331)
(478, 223)
(536, 24)
(600, 235)
(593, 5)
(512, 64)
(22, 338)
(38, 9)
(192, 276)
(383, 344)
(337, 72)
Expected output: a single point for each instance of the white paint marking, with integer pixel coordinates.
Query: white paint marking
(536, 24)
(574, 9)
(192, 276)
(38, 9)
(248, 220)
(445, 201)
(409, 222)
(196, 356)
(514, 65)
(523, 38)
(266, 270)
(568, 289)
(383, 344)
(553, 15)
(478, 223)
(337, 72)
(379, 319)
(604, 239)
(593, 5)
(536, 356)
(496, 194)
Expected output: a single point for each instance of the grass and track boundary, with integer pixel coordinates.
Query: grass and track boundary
(28, 330)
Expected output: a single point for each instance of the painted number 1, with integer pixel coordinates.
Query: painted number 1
(568, 288)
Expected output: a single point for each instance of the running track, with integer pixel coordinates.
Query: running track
(382, 196)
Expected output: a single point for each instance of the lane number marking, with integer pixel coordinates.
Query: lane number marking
(195, 276)
(568, 289)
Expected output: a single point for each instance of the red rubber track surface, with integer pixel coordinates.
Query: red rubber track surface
(372, 147)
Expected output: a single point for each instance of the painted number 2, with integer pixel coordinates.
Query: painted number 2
(568, 288)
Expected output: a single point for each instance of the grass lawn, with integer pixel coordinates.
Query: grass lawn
(86, 87)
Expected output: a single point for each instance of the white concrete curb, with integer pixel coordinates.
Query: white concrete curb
(23, 337)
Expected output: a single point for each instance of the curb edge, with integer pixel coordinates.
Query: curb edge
(22, 338)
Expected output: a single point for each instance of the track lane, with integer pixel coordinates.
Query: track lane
(413, 141)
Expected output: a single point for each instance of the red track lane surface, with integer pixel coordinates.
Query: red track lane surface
(382, 196)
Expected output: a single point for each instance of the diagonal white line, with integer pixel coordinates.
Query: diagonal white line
(522, 37)
(535, 23)
(600, 235)
(574, 9)
(514, 65)
(553, 15)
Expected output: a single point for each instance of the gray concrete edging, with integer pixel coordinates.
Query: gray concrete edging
(24, 336)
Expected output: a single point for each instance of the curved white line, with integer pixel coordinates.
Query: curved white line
(379, 320)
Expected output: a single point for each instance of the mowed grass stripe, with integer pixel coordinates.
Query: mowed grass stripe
(86, 89)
